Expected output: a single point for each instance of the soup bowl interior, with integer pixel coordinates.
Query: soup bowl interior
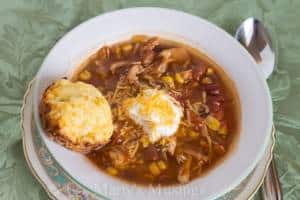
(256, 107)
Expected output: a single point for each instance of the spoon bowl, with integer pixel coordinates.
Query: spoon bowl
(255, 38)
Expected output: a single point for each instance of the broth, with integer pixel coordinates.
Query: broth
(208, 97)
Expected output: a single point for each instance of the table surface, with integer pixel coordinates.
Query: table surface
(29, 28)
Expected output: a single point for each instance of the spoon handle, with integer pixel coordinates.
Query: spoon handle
(271, 189)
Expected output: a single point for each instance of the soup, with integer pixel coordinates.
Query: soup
(205, 97)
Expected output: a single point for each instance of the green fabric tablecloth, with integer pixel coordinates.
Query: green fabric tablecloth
(29, 28)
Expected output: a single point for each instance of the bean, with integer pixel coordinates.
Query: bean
(215, 106)
(151, 153)
(215, 92)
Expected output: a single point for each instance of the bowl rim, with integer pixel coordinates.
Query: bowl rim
(177, 12)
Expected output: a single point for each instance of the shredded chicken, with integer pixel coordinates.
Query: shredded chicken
(124, 63)
(147, 57)
(178, 55)
(151, 81)
(172, 145)
(150, 44)
(187, 75)
(146, 51)
(115, 66)
(180, 158)
(160, 68)
(196, 153)
(133, 148)
(204, 132)
(119, 157)
(133, 72)
(185, 170)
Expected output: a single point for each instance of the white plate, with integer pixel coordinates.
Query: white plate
(256, 104)
(67, 189)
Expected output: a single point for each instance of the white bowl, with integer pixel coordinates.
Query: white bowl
(256, 105)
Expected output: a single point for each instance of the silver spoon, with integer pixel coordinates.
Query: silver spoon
(255, 38)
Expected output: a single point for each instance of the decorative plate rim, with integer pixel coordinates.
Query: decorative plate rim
(34, 173)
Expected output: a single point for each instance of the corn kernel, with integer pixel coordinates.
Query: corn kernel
(112, 171)
(85, 75)
(193, 134)
(181, 132)
(206, 80)
(210, 71)
(154, 169)
(179, 78)
(138, 38)
(169, 81)
(162, 142)
(126, 48)
(223, 130)
(91, 135)
(162, 165)
(145, 141)
(212, 123)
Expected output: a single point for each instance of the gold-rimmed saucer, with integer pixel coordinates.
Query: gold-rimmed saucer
(58, 185)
